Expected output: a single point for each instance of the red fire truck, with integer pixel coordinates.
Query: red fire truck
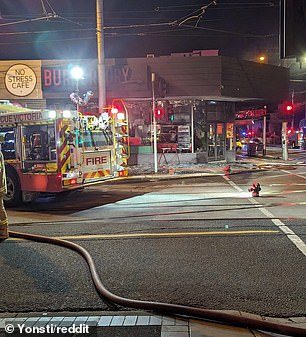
(55, 151)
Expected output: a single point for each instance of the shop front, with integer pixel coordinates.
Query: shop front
(195, 98)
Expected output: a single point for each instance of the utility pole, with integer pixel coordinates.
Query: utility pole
(101, 56)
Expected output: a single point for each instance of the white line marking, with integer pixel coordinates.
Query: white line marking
(295, 239)
(233, 184)
(294, 174)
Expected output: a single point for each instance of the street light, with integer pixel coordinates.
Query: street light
(77, 74)
(262, 58)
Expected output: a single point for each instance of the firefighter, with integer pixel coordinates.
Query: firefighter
(3, 215)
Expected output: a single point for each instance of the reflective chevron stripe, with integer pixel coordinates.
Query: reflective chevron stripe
(64, 150)
(97, 174)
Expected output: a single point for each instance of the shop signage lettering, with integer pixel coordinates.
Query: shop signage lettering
(21, 117)
(245, 114)
(20, 80)
(58, 78)
(55, 78)
(117, 75)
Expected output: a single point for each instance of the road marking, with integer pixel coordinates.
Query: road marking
(236, 187)
(136, 235)
(295, 174)
(294, 238)
(166, 234)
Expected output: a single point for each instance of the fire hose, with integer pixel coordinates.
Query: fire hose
(166, 308)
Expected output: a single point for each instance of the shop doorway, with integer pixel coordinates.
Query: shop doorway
(216, 141)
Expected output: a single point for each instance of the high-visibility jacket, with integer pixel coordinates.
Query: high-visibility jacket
(2, 175)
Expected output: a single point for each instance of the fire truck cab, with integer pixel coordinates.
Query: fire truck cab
(48, 151)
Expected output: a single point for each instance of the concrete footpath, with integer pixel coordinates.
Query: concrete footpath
(272, 160)
(127, 323)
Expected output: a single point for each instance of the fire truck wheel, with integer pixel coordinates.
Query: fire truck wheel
(13, 195)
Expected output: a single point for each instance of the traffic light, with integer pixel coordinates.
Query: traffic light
(286, 111)
(159, 112)
(288, 107)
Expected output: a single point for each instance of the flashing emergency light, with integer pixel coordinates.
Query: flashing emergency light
(114, 110)
(52, 114)
(66, 113)
(120, 115)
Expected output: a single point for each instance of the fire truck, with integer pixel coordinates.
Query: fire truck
(52, 151)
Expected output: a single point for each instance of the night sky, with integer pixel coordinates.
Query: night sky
(235, 28)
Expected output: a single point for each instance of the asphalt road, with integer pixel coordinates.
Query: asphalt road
(201, 242)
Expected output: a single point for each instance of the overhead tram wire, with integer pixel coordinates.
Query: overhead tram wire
(49, 16)
(181, 22)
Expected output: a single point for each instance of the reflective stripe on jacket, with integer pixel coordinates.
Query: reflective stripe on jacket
(2, 175)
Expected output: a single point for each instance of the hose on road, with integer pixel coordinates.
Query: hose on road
(166, 308)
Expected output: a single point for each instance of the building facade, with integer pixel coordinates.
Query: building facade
(198, 96)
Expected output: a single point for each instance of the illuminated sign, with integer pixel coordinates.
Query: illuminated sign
(250, 114)
(34, 116)
(20, 80)
(229, 130)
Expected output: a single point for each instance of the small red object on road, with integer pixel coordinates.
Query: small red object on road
(255, 189)
(227, 170)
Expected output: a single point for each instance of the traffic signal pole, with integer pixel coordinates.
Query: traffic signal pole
(101, 57)
(154, 123)
(264, 136)
(284, 141)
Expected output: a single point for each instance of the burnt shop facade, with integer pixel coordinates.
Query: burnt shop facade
(197, 98)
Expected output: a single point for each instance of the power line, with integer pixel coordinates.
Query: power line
(49, 16)
(195, 15)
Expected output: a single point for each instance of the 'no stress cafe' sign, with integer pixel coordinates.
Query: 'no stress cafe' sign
(20, 80)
